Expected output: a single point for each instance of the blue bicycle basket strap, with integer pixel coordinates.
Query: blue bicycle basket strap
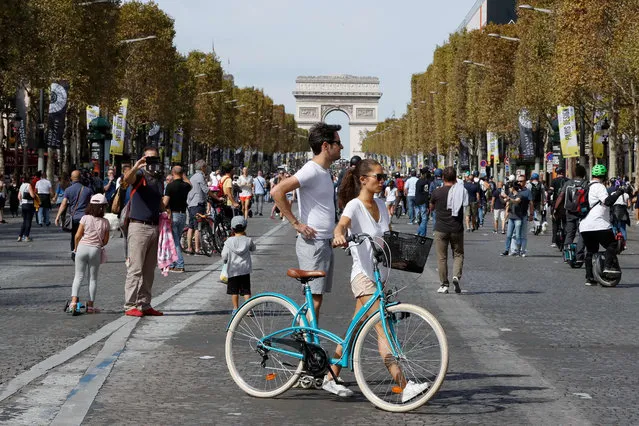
(409, 252)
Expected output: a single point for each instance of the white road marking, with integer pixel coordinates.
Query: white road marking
(505, 329)
(582, 395)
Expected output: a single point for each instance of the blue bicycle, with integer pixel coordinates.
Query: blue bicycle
(271, 341)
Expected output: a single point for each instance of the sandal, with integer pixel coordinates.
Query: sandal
(93, 310)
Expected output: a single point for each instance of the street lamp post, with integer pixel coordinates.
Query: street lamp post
(503, 37)
(536, 9)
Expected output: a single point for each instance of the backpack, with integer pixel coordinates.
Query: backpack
(574, 191)
(580, 199)
(220, 187)
(399, 184)
(535, 190)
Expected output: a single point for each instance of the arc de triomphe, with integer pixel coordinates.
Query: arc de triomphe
(358, 97)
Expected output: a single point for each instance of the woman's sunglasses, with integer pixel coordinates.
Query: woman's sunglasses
(379, 176)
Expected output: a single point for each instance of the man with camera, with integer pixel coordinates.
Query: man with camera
(520, 212)
(145, 179)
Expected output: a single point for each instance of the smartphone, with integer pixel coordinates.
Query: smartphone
(152, 160)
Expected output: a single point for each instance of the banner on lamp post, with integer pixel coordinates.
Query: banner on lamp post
(93, 112)
(568, 131)
(441, 161)
(599, 134)
(119, 128)
(493, 146)
(526, 143)
(464, 157)
(178, 142)
(57, 114)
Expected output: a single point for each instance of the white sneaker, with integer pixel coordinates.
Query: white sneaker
(413, 389)
(337, 389)
(443, 289)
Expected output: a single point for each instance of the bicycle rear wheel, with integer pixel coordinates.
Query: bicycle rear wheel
(598, 264)
(422, 361)
(261, 377)
(184, 240)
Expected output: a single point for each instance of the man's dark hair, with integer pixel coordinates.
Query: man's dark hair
(226, 168)
(580, 171)
(38, 174)
(449, 174)
(424, 172)
(355, 159)
(320, 133)
(151, 148)
(413, 172)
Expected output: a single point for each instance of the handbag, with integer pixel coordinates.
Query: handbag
(67, 223)
(103, 255)
(224, 274)
(126, 210)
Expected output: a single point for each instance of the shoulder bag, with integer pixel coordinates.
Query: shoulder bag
(67, 223)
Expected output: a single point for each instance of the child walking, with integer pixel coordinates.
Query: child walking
(92, 236)
(237, 256)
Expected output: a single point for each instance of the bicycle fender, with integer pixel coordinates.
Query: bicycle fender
(278, 295)
(352, 343)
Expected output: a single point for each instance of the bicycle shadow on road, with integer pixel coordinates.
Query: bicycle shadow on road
(522, 292)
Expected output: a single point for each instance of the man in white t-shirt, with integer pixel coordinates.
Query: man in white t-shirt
(409, 187)
(45, 192)
(315, 225)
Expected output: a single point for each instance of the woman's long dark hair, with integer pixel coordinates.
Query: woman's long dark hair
(351, 186)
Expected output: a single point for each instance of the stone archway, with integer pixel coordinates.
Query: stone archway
(357, 97)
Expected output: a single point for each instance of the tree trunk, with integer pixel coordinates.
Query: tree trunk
(635, 139)
(612, 141)
(50, 164)
(2, 147)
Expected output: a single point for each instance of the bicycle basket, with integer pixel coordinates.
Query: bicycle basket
(409, 252)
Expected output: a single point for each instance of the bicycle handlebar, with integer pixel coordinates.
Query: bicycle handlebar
(358, 238)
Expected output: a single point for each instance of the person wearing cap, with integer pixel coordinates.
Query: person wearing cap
(237, 256)
(92, 236)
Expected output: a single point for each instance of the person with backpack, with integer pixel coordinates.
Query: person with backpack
(593, 205)
(567, 206)
(537, 191)
(399, 184)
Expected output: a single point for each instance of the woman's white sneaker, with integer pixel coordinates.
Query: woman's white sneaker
(336, 389)
(413, 389)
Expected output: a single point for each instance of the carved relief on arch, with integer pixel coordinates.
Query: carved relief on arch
(309, 112)
(348, 109)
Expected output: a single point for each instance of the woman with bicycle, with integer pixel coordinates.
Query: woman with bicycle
(363, 213)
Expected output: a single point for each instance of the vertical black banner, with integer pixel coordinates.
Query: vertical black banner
(57, 113)
(526, 142)
(464, 158)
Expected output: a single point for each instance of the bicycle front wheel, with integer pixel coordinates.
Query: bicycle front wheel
(409, 380)
(220, 235)
(208, 243)
(269, 373)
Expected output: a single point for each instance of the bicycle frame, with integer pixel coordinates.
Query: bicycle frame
(312, 333)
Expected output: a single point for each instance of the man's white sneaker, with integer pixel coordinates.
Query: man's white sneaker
(336, 389)
(443, 289)
(413, 389)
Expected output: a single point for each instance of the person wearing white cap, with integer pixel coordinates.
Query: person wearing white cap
(92, 236)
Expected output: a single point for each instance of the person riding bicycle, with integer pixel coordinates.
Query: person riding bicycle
(596, 228)
(365, 214)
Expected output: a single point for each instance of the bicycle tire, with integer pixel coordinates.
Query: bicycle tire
(598, 260)
(207, 240)
(273, 309)
(184, 240)
(220, 234)
(391, 400)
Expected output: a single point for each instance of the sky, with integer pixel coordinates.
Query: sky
(268, 43)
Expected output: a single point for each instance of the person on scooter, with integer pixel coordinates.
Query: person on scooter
(596, 228)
